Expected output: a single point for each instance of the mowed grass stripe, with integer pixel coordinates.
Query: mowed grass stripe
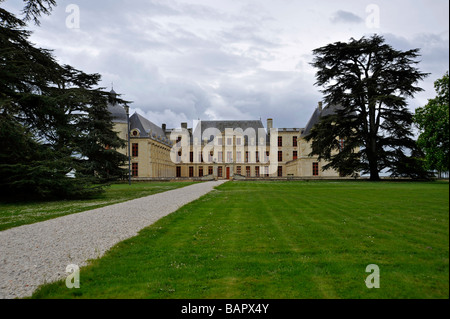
(283, 240)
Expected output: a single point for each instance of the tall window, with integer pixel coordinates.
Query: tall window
(341, 144)
(200, 172)
(210, 170)
(238, 170)
(191, 171)
(135, 150)
(280, 170)
(257, 157)
(229, 157)
(219, 157)
(280, 141)
(220, 171)
(238, 141)
(294, 155)
(294, 141)
(247, 171)
(246, 157)
(178, 171)
(191, 158)
(257, 171)
(280, 156)
(229, 141)
(135, 169)
(238, 157)
(315, 168)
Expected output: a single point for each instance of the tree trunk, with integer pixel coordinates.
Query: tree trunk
(373, 160)
(374, 175)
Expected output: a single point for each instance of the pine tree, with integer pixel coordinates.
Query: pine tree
(98, 142)
(49, 115)
(368, 81)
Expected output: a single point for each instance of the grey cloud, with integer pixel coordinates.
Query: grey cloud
(346, 17)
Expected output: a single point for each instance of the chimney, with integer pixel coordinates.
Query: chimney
(163, 127)
(320, 106)
(269, 124)
(184, 125)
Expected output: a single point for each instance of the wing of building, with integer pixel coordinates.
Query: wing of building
(231, 149)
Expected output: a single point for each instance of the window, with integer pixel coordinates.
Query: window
(219, 157)
(238, 157)
(341, 144)
(247, 171)
(238, 170)
(229, 157)
(246, 157)
(257, 157)
(178, 171)
(191, 171)
(219, 141)
(280, 170)
(294, 141)
(267, 156)
(179, 157)
(280, 140)
(315, 169)
(210, 159)
(266, 171)
(135, 150)
(257, 171)
(280, 156)
(229, 140)
(220, 171)
(238, 141)
(210, 170)
(294, 155)
(200, 172)
(134, 169)
(191, 158)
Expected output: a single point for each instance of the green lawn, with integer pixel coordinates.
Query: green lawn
(283, 240)
(17, 214)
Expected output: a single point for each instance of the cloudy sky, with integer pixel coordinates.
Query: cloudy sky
(183, 60)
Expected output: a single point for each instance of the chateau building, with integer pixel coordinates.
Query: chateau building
(218, 149)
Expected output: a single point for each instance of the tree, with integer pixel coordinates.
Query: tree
(34, 8)
(46, 116)
(433, 122)
(367, 82)
(98, 142)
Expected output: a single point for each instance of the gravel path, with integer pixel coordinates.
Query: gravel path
(32, 255)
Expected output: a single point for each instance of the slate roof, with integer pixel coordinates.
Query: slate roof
(222, 125)
(118, 112)
(146, 127)
(315, 117)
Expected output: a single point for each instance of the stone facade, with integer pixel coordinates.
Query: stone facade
(219, 149)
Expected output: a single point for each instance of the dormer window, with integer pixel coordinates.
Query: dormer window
(135, 133)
